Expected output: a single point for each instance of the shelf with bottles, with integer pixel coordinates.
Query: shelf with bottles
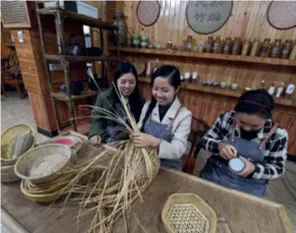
(222, 89)
(249, 47)
(205, 55)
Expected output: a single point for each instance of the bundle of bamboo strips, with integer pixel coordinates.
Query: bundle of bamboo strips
(119, 181)
(106, 184)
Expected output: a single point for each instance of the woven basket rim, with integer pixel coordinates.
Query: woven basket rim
(40, 148)
(33, 144)
(34, 196)
(6, 167)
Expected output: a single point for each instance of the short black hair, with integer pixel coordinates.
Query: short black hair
(256, 102)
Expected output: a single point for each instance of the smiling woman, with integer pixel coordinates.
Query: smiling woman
(164, 122)
(125, 81)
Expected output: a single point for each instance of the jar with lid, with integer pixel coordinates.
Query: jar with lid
(236, 46)
(121, 33)
(293, 53)
(227, 46)
(209, 44)
(246, 47)
(287, 49)
(265, 48)
(217, 45)
(188, 45)
(276, 48)
(255, 48)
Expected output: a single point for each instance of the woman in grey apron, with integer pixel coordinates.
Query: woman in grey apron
(250, 134)
(164, 122)
(126, 81)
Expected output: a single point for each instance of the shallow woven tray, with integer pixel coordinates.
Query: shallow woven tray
(8, 175)
(32, 160)
(188, 213)
(8, 135)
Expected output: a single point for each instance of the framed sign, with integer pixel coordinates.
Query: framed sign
(148, 12)
(282, 14)
(205, 17)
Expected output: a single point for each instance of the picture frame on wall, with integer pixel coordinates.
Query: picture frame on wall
(282, 14)
(148, 12)
(206, 17)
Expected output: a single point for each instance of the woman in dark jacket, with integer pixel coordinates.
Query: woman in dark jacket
(126, 81)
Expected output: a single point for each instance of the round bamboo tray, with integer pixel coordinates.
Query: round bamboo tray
(40, 197)
(43, 164)
(186, 213)
(6, 138)
(8, 175)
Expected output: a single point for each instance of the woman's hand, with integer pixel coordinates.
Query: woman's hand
(227, 151)
(95, 140)
(145, 140)
(250, 167)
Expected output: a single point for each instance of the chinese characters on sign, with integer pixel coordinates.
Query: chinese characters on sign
(207, 16)
(214, 16)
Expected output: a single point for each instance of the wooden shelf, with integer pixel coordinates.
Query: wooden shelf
(79, 58)
(63, 97)
(9, 45)
(223, 57)
(223, 91)
(79, 18)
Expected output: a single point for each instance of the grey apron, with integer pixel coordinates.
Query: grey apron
(219, 173)
(114, 129)
(164, 132)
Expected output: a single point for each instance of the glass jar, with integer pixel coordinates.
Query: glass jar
(188, 45)
(293, 53)
(227, 46)
(136, 41)
(236, 46)
(209, 44)
(217, 45)
(276, 49)
(246, 47)
(287, 49)
(265, 48)
(201, 47)
(121, 34)
(255, 48)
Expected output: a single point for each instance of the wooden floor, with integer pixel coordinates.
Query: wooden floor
(15, 111)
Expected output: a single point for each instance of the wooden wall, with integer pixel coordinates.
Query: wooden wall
(248, 20)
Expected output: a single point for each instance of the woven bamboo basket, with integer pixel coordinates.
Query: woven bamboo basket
(40, 197)
(188, 213)
(44, 163)
(8, 175)
(7, 137)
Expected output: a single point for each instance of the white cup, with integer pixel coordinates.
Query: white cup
(194, 75)
(187, 75)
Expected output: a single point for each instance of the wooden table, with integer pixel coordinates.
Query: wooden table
(243, 213)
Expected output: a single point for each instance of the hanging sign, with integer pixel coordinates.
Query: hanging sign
(206, 17)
